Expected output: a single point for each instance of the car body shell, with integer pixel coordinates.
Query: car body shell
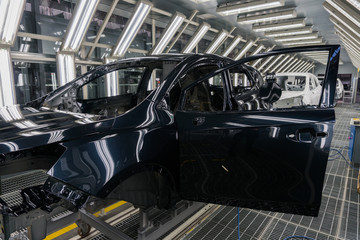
(306, 94)
(153, 155)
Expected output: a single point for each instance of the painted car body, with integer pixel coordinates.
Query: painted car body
(298, 89)
(152, 148)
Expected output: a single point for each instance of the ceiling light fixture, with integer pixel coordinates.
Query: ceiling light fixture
(347, 10)
(232, 9)
(267, 17)
(290, 32)
(266, 62)
(297, 63)
(168, 33)
(279, 26)
(232, 45)
(216, 43)
(273, 62)
(79, 23)
(7, 88)
(291, 65)
(344, 28)
(337, 16)
(355, 3)
(10, 16)
(307, 42)
(198, 35)
(257, 50)
(132, 27)
(260, 59)
(244, 50)
(285, 64)
(280, 63)
(297, 37)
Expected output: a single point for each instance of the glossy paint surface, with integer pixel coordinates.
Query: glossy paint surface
(272, 160)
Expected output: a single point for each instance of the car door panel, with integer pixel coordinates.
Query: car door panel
(250, 154)
(269, 160)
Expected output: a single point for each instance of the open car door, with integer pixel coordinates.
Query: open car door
(260, 157)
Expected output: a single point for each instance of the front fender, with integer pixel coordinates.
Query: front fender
(96, 167)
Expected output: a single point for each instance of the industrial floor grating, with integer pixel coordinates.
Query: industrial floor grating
(339, 214)
(10, 186)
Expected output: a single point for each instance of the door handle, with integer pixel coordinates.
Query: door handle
(197, 121)
(305, 135)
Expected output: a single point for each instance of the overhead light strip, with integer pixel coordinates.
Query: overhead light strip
(273, 62)
(168, 33)
(132, 27)
(10, 16)
(244, 50)
(293, 43)
(232, 45)
(260, 59)
(267, 17)
(286, 64)
(279, 26)
(198, 35)
(290, 32)
(291, 65)
(232, 9)
(216, 43)
(279, 64)
(347, 10)
(338, 16)
(297, 37)
(79, 23)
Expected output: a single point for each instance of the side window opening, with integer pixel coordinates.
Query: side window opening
(203, 95)
(246, 82)
(206, 96)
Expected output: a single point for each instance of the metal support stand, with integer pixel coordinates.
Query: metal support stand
(149, 228)
(105, 228)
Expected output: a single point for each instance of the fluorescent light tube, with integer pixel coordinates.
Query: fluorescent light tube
(244, 50)
(65, 67)
(10, 16)
(287, 68)
(266, 62)
(7, 96)
(267, 17)
(297, 37)
(216, 43)
(300, 65)
(79, 23)
(355, 3)
(273, 62)
(290, 32)
(132, 27)
(231, 9)
(307, 42)
(343, 28)
(257, 50)
(337, 16)
(299, 61)
(198, 35)
(279, 26)
(168, 33)
(347, 10)
(285, 64)
(232, 45)
(259, 60)
(279, 64)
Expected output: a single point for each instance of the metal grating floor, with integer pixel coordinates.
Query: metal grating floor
(10, 187)
(339, 214)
